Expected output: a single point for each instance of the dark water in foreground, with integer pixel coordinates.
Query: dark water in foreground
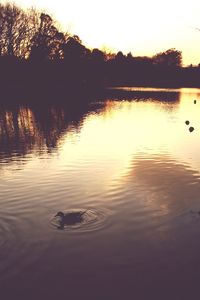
(134, 166)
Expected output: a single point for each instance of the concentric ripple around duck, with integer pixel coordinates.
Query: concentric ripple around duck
(92, 220)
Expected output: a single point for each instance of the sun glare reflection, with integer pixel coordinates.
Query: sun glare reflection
(124, 129)
(109, 138)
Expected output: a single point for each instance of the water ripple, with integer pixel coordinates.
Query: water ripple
(92, 220)
(16, 244)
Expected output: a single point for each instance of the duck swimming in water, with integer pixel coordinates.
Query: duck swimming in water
(70, 218)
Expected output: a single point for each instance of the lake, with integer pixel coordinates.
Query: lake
(129, 160)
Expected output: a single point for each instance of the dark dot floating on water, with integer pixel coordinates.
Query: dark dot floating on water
(187, 122)
(191, 129)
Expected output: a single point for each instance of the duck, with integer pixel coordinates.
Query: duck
(191, 129)
(70, 218)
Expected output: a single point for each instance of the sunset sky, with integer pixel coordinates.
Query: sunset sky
(142, 27)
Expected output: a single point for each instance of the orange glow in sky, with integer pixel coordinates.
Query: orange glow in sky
(142, 27)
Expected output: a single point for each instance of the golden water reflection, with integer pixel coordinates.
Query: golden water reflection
(164, 184)
(134, 161)
(26, 129)
(110, 133)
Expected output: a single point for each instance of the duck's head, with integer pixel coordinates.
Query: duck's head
(60, 214)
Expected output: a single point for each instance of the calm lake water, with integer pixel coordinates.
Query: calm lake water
(131, 162)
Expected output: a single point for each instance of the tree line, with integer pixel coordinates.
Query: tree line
(33, 50)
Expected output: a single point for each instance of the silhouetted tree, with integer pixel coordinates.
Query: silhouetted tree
(169, 58)
(109, 55)
(97, 67)
(35, 36)
(17, 28)
(74, 50)
(47, 42)
(130, 57)
(98, 56)
(120, 57)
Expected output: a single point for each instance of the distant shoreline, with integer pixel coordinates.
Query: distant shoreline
(20, 94)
